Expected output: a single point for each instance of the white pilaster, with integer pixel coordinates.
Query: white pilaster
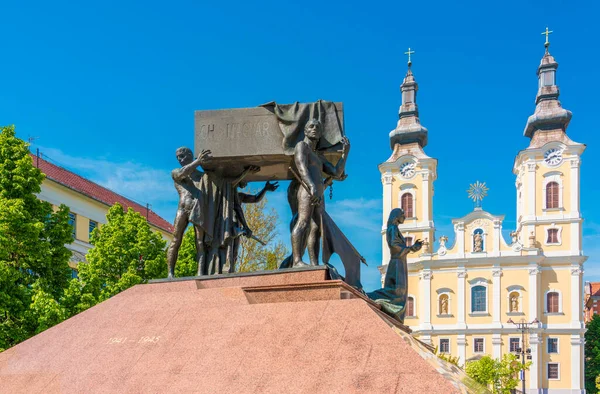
(459, 230)
(426, 299)
(534, 278)
(577, 343)
(426, 175)
(462, 274)
(496, 298)
(461, 343)
(536, 369)
(387, 179)
(531, 189)
(576, 297)
(496, 346)
(574, 208)
(497, 236)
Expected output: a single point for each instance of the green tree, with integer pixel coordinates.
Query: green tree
(33, 259)
(501, 375)
(126, 252)
(187, 265)
(592, 354)
(252, 255)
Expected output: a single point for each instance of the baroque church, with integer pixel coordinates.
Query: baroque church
(471, 298)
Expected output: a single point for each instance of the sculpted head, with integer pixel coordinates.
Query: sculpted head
(396, 217)
(184, 155)
(313, 129)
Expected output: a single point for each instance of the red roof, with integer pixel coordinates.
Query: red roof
(97, 192)
(595, 289)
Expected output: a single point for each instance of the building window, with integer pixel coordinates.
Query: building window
(408, 240)
(552, 345)
(407, 205)
(552, 189)
(444, 345)
(553, 371)
(552, 236)
(552, 302)
(478, 345)
(410, 306)
(478, 299)
(74, 274)
(93, 226)
(514, 344)
(72, 223)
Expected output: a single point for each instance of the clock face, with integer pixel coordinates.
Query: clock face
(553, 156)
(407, 169)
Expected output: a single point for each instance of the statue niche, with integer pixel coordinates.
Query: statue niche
(478, 241)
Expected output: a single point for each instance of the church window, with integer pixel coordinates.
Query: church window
(478, 299)
(407, 205)
(444, 345)
(552, 190)
(72, 221)
(552, 345)
(478, 345)
(514, 344)
(552, 236)
(92, 227)
(410, 306)
(552, 302)
(553, 371)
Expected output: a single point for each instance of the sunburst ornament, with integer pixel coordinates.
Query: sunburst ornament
(477, 191)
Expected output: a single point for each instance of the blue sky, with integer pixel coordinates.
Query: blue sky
(109, 90)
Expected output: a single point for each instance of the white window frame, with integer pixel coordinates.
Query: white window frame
(553, 176)
(557, 345)
(514, 289)
(414, 306)
(560, 302)
(481, 352)
(440, 345)
(410, 189)
(483, 235)
(553, 226)
(479, 282)
(548, 375)
(518, 339)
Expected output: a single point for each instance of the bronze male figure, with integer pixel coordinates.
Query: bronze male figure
(187, 179)
(310, 163)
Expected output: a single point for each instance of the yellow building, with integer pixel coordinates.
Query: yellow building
(461, 296)
(89, 204)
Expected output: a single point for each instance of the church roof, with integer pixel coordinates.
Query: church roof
(96, 192)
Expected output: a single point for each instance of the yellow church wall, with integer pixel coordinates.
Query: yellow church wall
(556, 279)
(444, 280)
(514, 278)
(563, 357)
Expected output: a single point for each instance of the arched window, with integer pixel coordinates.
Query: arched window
(444, 304)
(407, 205)
(478, 299)
(410, 306)
(552, 189)
(552, 302)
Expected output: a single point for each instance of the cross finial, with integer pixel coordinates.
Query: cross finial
(547, 33)
(409, 53)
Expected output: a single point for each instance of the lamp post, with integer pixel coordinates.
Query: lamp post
(523, 326)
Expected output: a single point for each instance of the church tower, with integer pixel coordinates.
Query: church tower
(408, 174)
(548, 212)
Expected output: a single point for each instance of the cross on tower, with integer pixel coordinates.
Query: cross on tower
(547, 33)
(409, 53)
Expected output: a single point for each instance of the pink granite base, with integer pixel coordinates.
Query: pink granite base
(257, 334)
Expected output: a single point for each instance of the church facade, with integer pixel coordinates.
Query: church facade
(465, 296)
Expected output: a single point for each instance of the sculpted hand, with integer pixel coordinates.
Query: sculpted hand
(315, 199)
(271, 187)
(417, 245)
(253, 169)
(247, 232)
(205, 156)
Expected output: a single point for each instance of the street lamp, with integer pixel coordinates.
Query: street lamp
(523, 326)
